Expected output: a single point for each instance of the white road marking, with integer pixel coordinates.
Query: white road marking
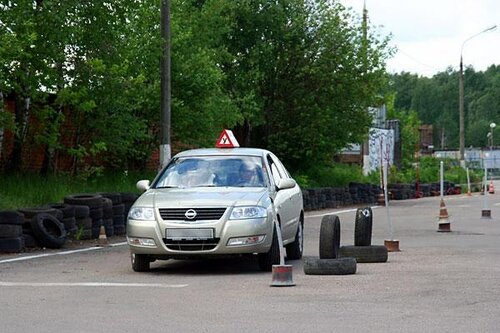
(90, 284)
(58, 253)
(340, 212)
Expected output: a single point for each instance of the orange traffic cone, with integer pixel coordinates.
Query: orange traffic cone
(491, 189)
(444, 222)
(102, 240)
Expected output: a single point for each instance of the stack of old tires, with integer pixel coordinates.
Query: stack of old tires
(11, 231)
(68, 217)
(362, 249)
(89, 213)
(113, 204)
(120, 211)
(42, 226)
(329, 261)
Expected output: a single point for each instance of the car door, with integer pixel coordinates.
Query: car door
(285, 201)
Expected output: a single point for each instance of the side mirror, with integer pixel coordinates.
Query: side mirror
(284, 184)
(142, 185)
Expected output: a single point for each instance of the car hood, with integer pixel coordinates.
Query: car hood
(201, 197)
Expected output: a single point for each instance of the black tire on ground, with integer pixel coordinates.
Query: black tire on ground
(341, 266)
(12, 245)
(48, 230)
(107, 208)
(67, 210)
(272, 257)
(11, 217)
(69, 223)
(95, 232)
(110, 230)
(329, 237)
(96, 213)
(118, 220)
(30, 241)
(140, 262)
(363, 227)
(119, 230)
(85, 199)
(107, 222)
(118, 209)
(10, 230)
(365, 254)
(294, 250)
(85, 223)
(81, 211)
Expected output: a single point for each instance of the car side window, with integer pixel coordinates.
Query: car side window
(275, 172)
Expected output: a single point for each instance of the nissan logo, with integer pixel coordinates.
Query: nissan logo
(190, 214)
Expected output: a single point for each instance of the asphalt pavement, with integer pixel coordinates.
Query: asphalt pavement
(438, 282)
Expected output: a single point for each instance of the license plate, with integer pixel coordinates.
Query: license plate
(189, 234)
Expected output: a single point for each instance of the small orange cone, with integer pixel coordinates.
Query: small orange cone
(444, 222)
(102, 240)
(491, 189)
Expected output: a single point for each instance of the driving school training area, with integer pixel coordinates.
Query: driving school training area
(438, 282)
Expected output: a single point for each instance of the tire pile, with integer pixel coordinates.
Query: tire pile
(333, 197)
(399, 191)
(329, 261)
(79, 216)
(363, 250)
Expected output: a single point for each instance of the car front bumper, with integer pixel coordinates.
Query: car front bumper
(149, 237)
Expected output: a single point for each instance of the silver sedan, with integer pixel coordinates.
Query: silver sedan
(209, 202)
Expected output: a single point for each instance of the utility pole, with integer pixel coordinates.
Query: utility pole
(461, 97)
(165, 149)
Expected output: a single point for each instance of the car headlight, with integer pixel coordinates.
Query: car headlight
(247, 212)
(141, 213)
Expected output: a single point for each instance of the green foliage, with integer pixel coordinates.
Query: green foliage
(334, 175)
(435, 100)
(30, 190)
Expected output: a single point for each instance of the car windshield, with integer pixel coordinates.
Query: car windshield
(213, 171)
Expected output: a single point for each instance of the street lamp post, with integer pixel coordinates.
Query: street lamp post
(461, 97)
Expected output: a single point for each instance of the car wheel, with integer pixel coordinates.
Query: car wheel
(272, 257)
(140, 262)
(329, 237)
(363, 227)
(294, 250)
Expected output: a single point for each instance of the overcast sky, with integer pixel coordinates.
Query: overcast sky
(429, 33)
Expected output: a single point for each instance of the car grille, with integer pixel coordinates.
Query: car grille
(191, 245)
(202, 214)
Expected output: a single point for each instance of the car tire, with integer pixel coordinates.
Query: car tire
(295, 250)
(272, 257)
(10, 230)
(318, 266)
(12, 245)
(365, 254)
(329, 237)
(84, 199)
(48, 230)
(140, 262)
(363, 227)
(11, 217)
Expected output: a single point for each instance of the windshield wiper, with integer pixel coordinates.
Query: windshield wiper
(167, 186)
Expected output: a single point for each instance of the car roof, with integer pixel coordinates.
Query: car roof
(223, 152)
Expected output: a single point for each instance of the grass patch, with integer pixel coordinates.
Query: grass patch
(32, 190)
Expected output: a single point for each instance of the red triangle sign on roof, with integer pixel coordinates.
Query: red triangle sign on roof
(227, 140)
